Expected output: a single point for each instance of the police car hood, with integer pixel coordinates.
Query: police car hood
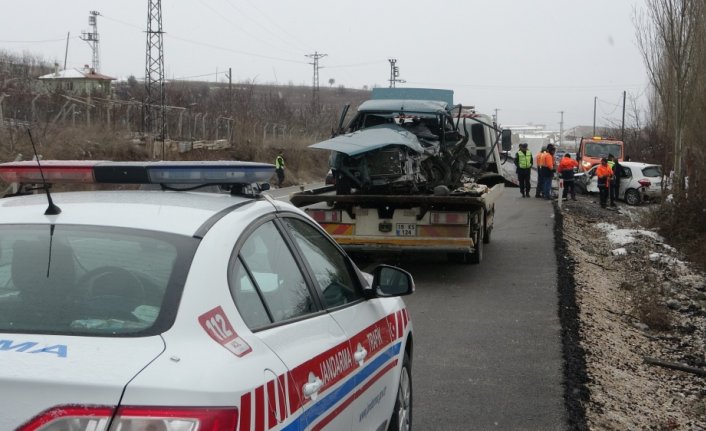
(38, 372)
(371, 139)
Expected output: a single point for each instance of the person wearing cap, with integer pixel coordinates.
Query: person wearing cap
(523, 162)
(546, 171)
(604, 175)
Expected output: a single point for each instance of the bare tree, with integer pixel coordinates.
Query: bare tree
(668, 36)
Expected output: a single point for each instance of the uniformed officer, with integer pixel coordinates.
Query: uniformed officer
(523, 161)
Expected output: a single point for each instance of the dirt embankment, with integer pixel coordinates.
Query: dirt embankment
(634, 320)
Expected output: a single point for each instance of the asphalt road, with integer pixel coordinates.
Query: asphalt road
(487, 353)
(487, 347)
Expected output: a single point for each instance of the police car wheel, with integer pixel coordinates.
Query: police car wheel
(402, 414)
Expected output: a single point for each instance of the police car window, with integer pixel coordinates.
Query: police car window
(275, 274)
(247, 298)
(329, 266)
(90, 280)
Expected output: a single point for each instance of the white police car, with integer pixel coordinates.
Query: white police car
(185, 311)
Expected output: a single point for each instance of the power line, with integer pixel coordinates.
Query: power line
(36, 41)
(266, 30)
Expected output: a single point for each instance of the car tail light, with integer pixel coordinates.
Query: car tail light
(325, 216)
(97, 418)
(644, 183)
(438, 217)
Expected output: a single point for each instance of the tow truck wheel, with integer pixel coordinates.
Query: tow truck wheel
(402, 414)
(477, 255)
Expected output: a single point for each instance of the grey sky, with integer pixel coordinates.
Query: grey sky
(529, 59)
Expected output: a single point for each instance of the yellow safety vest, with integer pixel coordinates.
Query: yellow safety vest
(524, 159)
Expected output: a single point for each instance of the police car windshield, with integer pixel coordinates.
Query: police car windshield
(90, 280)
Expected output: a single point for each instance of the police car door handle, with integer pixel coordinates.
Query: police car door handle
(312, 388)
(360, 355)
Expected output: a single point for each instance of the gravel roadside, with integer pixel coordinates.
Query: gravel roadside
(628, 300)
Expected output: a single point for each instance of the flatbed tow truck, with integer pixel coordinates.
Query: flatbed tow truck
(453, 216)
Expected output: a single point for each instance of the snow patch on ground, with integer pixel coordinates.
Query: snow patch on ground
(626, 236)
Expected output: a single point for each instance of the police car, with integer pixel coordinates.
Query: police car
(173, 310)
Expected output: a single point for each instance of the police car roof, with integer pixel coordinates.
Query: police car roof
(175, 212)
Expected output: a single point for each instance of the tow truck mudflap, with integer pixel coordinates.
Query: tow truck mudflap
(397, 244)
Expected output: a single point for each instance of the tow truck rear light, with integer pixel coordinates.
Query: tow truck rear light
(325, 216)
(439, 217)
(644, 182)
(97, 418)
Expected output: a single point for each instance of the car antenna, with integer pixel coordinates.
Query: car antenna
(51, 209)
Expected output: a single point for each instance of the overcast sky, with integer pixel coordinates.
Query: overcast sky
(529, 59)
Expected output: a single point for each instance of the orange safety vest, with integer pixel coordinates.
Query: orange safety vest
(604, 173)
(567, 163)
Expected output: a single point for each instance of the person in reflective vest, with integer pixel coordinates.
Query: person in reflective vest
(617, 174)
(523, 162)
(604, 174)
(279, 169)
(546, 171)
(566, 169)
(538, 161)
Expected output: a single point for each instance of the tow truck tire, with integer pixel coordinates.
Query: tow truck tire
(487, 229)
(402, 413)
(477, 256)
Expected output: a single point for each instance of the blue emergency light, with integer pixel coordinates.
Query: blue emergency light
(109, 172)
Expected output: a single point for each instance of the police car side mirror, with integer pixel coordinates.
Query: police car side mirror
(391, 281)
(264, 186)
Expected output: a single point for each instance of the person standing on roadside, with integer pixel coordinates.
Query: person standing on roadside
(604, 175)
(523, 161)
(538, 163)
(617, 174)
(547, 168)
(279, 168)
(566, 169)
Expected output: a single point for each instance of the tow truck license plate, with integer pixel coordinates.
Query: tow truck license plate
(406, 229)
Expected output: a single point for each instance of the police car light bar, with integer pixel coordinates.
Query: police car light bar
(165, 172)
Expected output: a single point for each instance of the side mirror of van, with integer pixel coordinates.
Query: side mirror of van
(506, 139)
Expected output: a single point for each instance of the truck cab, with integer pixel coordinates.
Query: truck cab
(592, 150)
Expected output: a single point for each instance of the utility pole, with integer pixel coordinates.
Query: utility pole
(561, 128)
(316, 57)
(153, 108)
(595, 99)
(394, 73)
(66, 52)
(622, 127)
(92, 39)
(230, 91)
(495, 116)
